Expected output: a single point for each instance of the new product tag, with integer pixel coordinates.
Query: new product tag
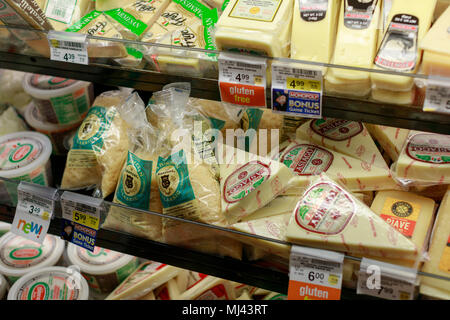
(81, 219)
(297, 91)
(68, 47)
(386, 281)
(437, 97)
(242, 80)
(315, 274)
(34, 210)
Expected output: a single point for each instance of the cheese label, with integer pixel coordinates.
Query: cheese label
(336, 129)
(21, 253)
(444, 264)
(17, 153)
(215, 293)
(60, 10)
(429, 148)
(307, 160)
(128, 20)
(144, 271)
(244, 180)
(325, 209)
(99, 256)
(399, 51)
(313, 10)
(358, 14)
(256, 10)
(402, 215)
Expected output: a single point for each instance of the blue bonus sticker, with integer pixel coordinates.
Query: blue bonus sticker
(78, 234)
(297, 102)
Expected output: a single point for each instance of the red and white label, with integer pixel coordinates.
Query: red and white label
(307, 160)
(336, 129)
(429, 148)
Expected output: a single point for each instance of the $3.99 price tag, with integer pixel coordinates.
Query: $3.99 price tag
(68, 47)
(315, 274)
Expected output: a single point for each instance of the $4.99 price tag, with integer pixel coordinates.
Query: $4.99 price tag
(315, 274)
(68, 47)
(242, 80)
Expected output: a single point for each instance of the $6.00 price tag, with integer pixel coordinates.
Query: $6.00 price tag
(68, 47)
(315, 274)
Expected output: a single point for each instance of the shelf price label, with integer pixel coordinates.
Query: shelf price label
(68, 47)
(34, 211)
(242, 80)
(437, 98)
(296, 91)
(386, 281)
(315, 274)
(81, 219)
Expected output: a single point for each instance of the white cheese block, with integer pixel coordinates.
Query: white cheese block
(168, 291)
(103, 5)
(390, 139)
(209, 288)
(279, 205)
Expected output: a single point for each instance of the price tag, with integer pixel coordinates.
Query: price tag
(297, 91)
(81, 219)
(437, 97)
(315, 274)
(386, 281)
(242, 80)
(68, 47)
(34, 210)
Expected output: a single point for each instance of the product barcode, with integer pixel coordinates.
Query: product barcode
(60, 12)
(308, 73)
(248, 65)
(71, 45)
(84, 208)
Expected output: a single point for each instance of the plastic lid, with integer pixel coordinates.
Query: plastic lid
(22, 152)
(46, 87)
(19, 256)
(51, 283)
(5, 226)
(101, 261)
(33, 118)
(3, 287)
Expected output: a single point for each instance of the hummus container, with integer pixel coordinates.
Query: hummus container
(59, 100)
(50, 283)
(103, 269)
(3, 287)
(4, 228)
(58, 134)
(19, 256)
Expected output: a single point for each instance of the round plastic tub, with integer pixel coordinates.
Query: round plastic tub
(59, 100)
(19, 256)
(103, 269)
(50, 283)
(3, 287)
(58, 134)
(4, 228)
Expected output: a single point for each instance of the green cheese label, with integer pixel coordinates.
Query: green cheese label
(83, 22)
(127, 20)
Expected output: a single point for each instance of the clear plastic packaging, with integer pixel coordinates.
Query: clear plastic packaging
(10, 122)
(11, 90)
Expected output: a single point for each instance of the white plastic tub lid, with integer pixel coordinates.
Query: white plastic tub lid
(33, 118)
(3, 287)
(51, 283)
(23, 152)
(5, 226)
(19, 256)
(101, 261)
(45, 87)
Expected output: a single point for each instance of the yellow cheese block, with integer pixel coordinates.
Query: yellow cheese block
(365, 197)
(425, 158)
(439, 252)
(390, 139)
(279, 205)
(344, 136)
(308, 160)
(244, 296)
(209, 288)
(399, 50)
(262, 28)
(148, 296)
(355, 47)
(441, 6)
(437, 64)
(103, 5)
(63, 13)
(329, 217)
(394, 97)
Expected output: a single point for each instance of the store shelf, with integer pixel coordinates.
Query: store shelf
(145, 80)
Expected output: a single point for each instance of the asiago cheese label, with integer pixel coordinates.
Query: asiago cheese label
(325, 209)
(402, 215)
(429, 148)
(307, 160)
(336, 129)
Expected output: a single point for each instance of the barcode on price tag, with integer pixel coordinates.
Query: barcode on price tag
(315, 274)
(242, 80)
(437, 97)
(68, 47)
(60, 10)
(34, 210)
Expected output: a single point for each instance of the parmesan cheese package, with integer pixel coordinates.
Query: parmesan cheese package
(99, 147)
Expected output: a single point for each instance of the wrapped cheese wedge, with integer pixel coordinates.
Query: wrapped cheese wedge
(389, 138)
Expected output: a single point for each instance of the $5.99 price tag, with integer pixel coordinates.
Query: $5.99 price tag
(315, 274)
(242, 80)
(68, 47)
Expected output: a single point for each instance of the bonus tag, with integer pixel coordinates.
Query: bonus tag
(315, 274)
(242, 80)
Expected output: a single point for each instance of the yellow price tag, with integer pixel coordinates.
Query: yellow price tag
(303, 84)
(85, 219)
(333, 280)
(55, 43)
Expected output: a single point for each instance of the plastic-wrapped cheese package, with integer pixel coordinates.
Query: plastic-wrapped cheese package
(62, 14)
(99, 147)
(11, 90)
(10, 121)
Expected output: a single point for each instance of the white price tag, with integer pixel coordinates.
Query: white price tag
(34, 210)
(437, 98)
(297, 91)
(242, 80)
(68, 47)
(386, 281)
(60, 10)
(315, 274)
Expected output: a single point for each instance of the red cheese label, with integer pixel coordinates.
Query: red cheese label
(336, 129)
(429, 148)
(307, 160)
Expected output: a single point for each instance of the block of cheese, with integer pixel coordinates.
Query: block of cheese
(271, 227)
(394, 97)
(329, 217)
(168, 291)
(344, 136)
(240, 288)
(436, 46)
(244, 296)
(248, 182)
(356, 42)
(148, 296)
(425, 158)
(279, 205)
(318, 18)
(209, 288)
(63, 13)
(390, 139)
(441, 6)
(409, 21)
(103, 5)
(365, 197)
(348, 280)
(307, 160)
(261, 28)
(96, 24)
(439, 252)
(147, 277)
